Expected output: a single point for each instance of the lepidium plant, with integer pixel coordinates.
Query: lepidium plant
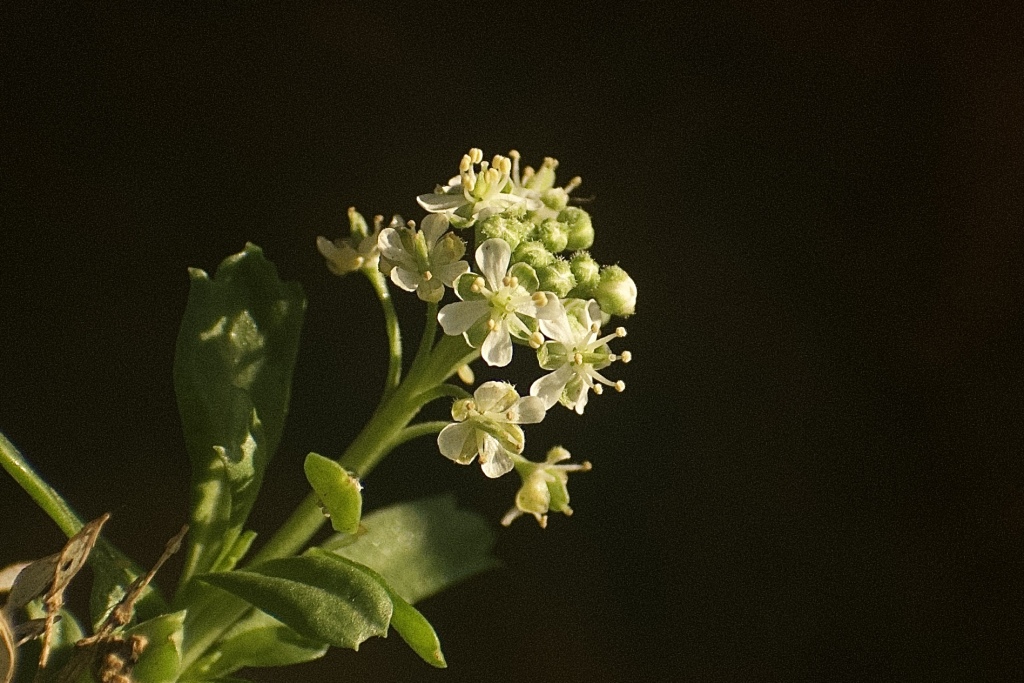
(531, 288)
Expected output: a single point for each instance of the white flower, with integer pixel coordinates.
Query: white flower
(348, 254)
(496, 301)
(422, 260)
(545, 487)
(469, 196)
(576, 354)
(488, 425)
(539, 186)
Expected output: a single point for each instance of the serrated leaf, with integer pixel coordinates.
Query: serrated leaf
(160, 661)
(257, 641)
(320, 595)
(339, 492)
(414, 628)
(233, 367)
(421, 547)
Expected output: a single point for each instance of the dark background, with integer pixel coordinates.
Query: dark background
(815, 472)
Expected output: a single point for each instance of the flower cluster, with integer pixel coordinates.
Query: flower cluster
(535, 285)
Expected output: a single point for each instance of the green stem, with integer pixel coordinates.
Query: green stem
(380, 287)
(443, 389)
(418, 430)
(427, 340)
(42, 493)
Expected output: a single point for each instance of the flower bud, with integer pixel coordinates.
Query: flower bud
(545, 487)
(555, 199)
(532, 253)
(512, 230)
(616, 293)
(581, 230)
(357, 224)
(556, 277)
(554, 235)
(587, 273)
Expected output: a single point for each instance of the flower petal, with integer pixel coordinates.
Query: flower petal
(430, 290)
(493, 256)
(497, 462)
(490, 394)
(531, 410)
(432, 227)
(497, 347)
(458, 317)
(549, 388)
(457, 442)
(405, 279)
(436, 203)
(449, 273)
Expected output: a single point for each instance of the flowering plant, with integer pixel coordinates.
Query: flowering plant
(531, 284)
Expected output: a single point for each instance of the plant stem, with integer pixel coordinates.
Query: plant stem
(418, 430)
(42, 493)
(380, 287)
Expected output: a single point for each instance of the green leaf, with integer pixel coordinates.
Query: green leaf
(421, 547)
(231, 556)
(160, 661)
(232, 374)
(339, 492)
(257, 641)
(320, 595)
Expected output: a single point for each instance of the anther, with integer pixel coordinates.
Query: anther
(427, 275)
(620, 331)
(410, 224)
(465, 164)
(476, 154)
(598, 389)
(577, 358)
(492, 325)
(540, 298)
(573, 184)
(478, 285)
(625, 356)
(536, 340)
(620, 386)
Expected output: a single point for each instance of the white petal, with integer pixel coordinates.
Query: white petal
(497, 347)
(493, 256)
(389, 243)
(440, 202)
(531, 410)
(550, 310)
(458, 317)
(558, 328)
(489, 394)
(405, 279)
(432, 227)
(549, 387)
(497, 462)
(457, 442)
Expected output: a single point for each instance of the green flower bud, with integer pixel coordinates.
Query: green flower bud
(587, 273)
(555, 199)
(512, 230)
(616, 293)
(545, 487)
(556, 277)
(359, 228)
(581, 229)
(532, 253)
(554, 235)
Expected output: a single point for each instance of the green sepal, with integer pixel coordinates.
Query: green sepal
(421, 547)
(339, 492)
(233, 367)
(320, 595)
(161, 660)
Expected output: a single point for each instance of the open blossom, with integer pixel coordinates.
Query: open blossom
(472, 196)
(348, 254)
(422, 260)
(576, 354)
(488, 425)
(539, 186)
(496, 300)
(545, 487)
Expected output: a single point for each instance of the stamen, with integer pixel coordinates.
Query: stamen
(359, 261)
(595, 328)
(378, 222)
(427, 275)
(492, 325)
(528, 173)
(465, 164)
(510, 281)
(543, 521)
(478, 285)
(625, 356)
(577, 358)
(620, 331)
(598, 389)
(411, 225)
(510, 415)
(540, 298)
(620, 386)
(551, 162)
(476, 154)
(573, 184)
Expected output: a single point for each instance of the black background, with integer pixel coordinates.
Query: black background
(815, 472)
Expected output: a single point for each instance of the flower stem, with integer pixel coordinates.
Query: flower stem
(380, 287)
(42, 493)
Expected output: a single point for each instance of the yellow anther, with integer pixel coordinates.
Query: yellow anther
(620, 386)
(536, 340)
(598, 389)
(573, 184)
(513, 154)
(577, 358)
(476, 154)
(620, 331)
(465, 164)
(540, 298)
(492, 325)
(625, 356)
(595, 328)
(427, 276)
